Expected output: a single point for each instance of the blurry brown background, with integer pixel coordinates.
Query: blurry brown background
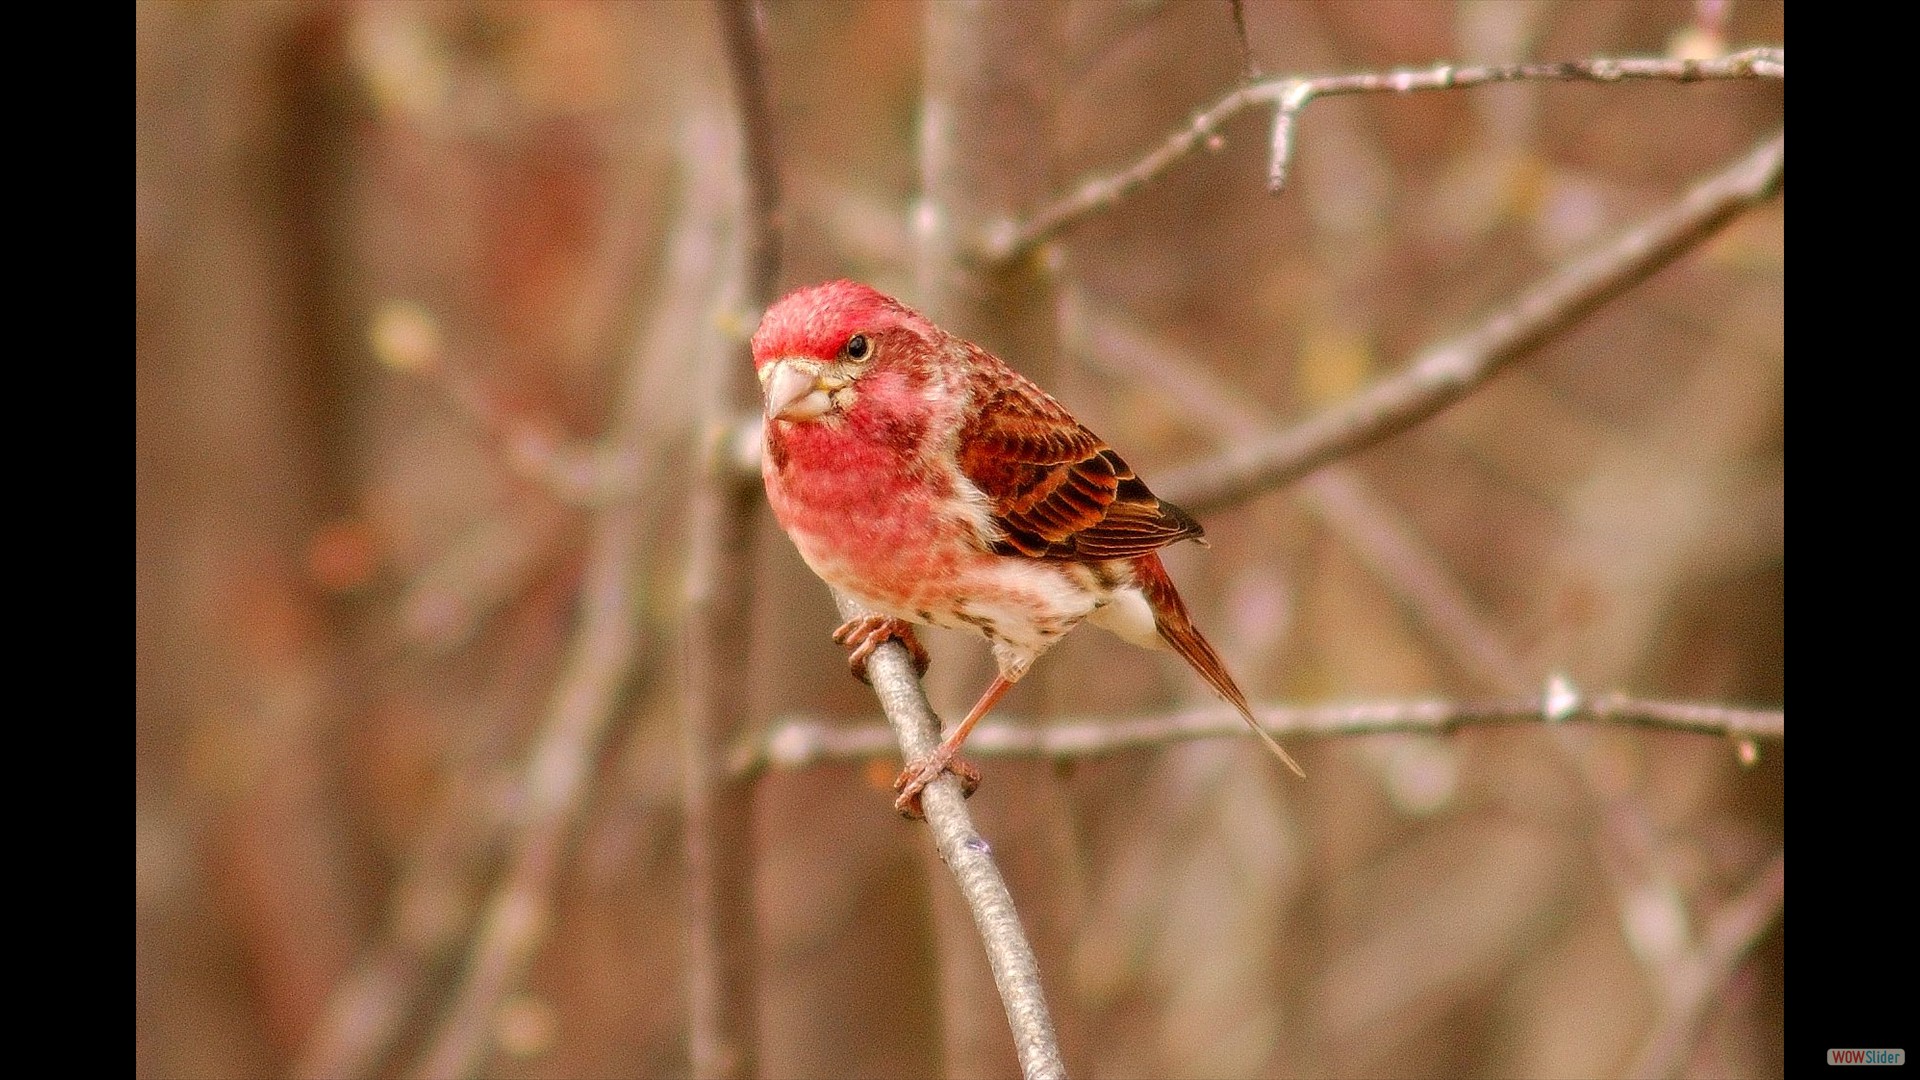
(425, 294)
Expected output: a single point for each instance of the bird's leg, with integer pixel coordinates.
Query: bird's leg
(869, 632)
(918, 774)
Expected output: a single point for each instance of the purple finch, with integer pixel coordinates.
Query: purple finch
(933, 484)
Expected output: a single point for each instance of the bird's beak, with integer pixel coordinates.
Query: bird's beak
(798, 390)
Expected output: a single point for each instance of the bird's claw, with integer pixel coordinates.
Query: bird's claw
(918, 774)
(869, 632)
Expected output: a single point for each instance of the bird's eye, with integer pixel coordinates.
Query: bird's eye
(858, 347)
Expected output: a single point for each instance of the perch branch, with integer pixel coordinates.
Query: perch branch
(916, 731)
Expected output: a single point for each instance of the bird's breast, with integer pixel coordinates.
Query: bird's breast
(909, 538)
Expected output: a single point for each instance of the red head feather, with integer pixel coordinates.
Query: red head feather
(816, 321)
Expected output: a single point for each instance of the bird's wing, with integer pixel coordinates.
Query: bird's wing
(1054, 489)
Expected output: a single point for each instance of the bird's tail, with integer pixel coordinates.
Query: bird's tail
(1176, 627)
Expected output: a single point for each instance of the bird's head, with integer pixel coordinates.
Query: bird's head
(816, 345)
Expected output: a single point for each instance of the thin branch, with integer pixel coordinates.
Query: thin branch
(717, 829)
(799, 742)
(1013, 240)
(1446, 374)
(1248, 69)
(1294, 94)
(1694, 989)
(743, 26)
(915, 733)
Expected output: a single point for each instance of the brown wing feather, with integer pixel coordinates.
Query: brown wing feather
(1057, 491)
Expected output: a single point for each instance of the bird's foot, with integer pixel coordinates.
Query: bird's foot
(918, 774)
(869, 632)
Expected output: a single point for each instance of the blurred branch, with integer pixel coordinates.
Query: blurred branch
(604, 650)
(427, 917)
(743, 27)
(1015, 239)
(573, 471)
(1374, 531)
(1447, 373)
(409, 340)
(717, 830)
(800, 742)
(600, 659)
(1248, 69)
(915, 733)
(478, 573)
(1402, 560)
(1696, 983)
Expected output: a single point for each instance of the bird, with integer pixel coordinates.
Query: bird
(923, 477)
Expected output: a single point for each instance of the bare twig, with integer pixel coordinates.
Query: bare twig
(915, 733)
(1447, 373)
(800, 742)
(1294, 94)
(1014, 239)
(1248, 69)
(1692, 992)
(718, 824)
(742, 24)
